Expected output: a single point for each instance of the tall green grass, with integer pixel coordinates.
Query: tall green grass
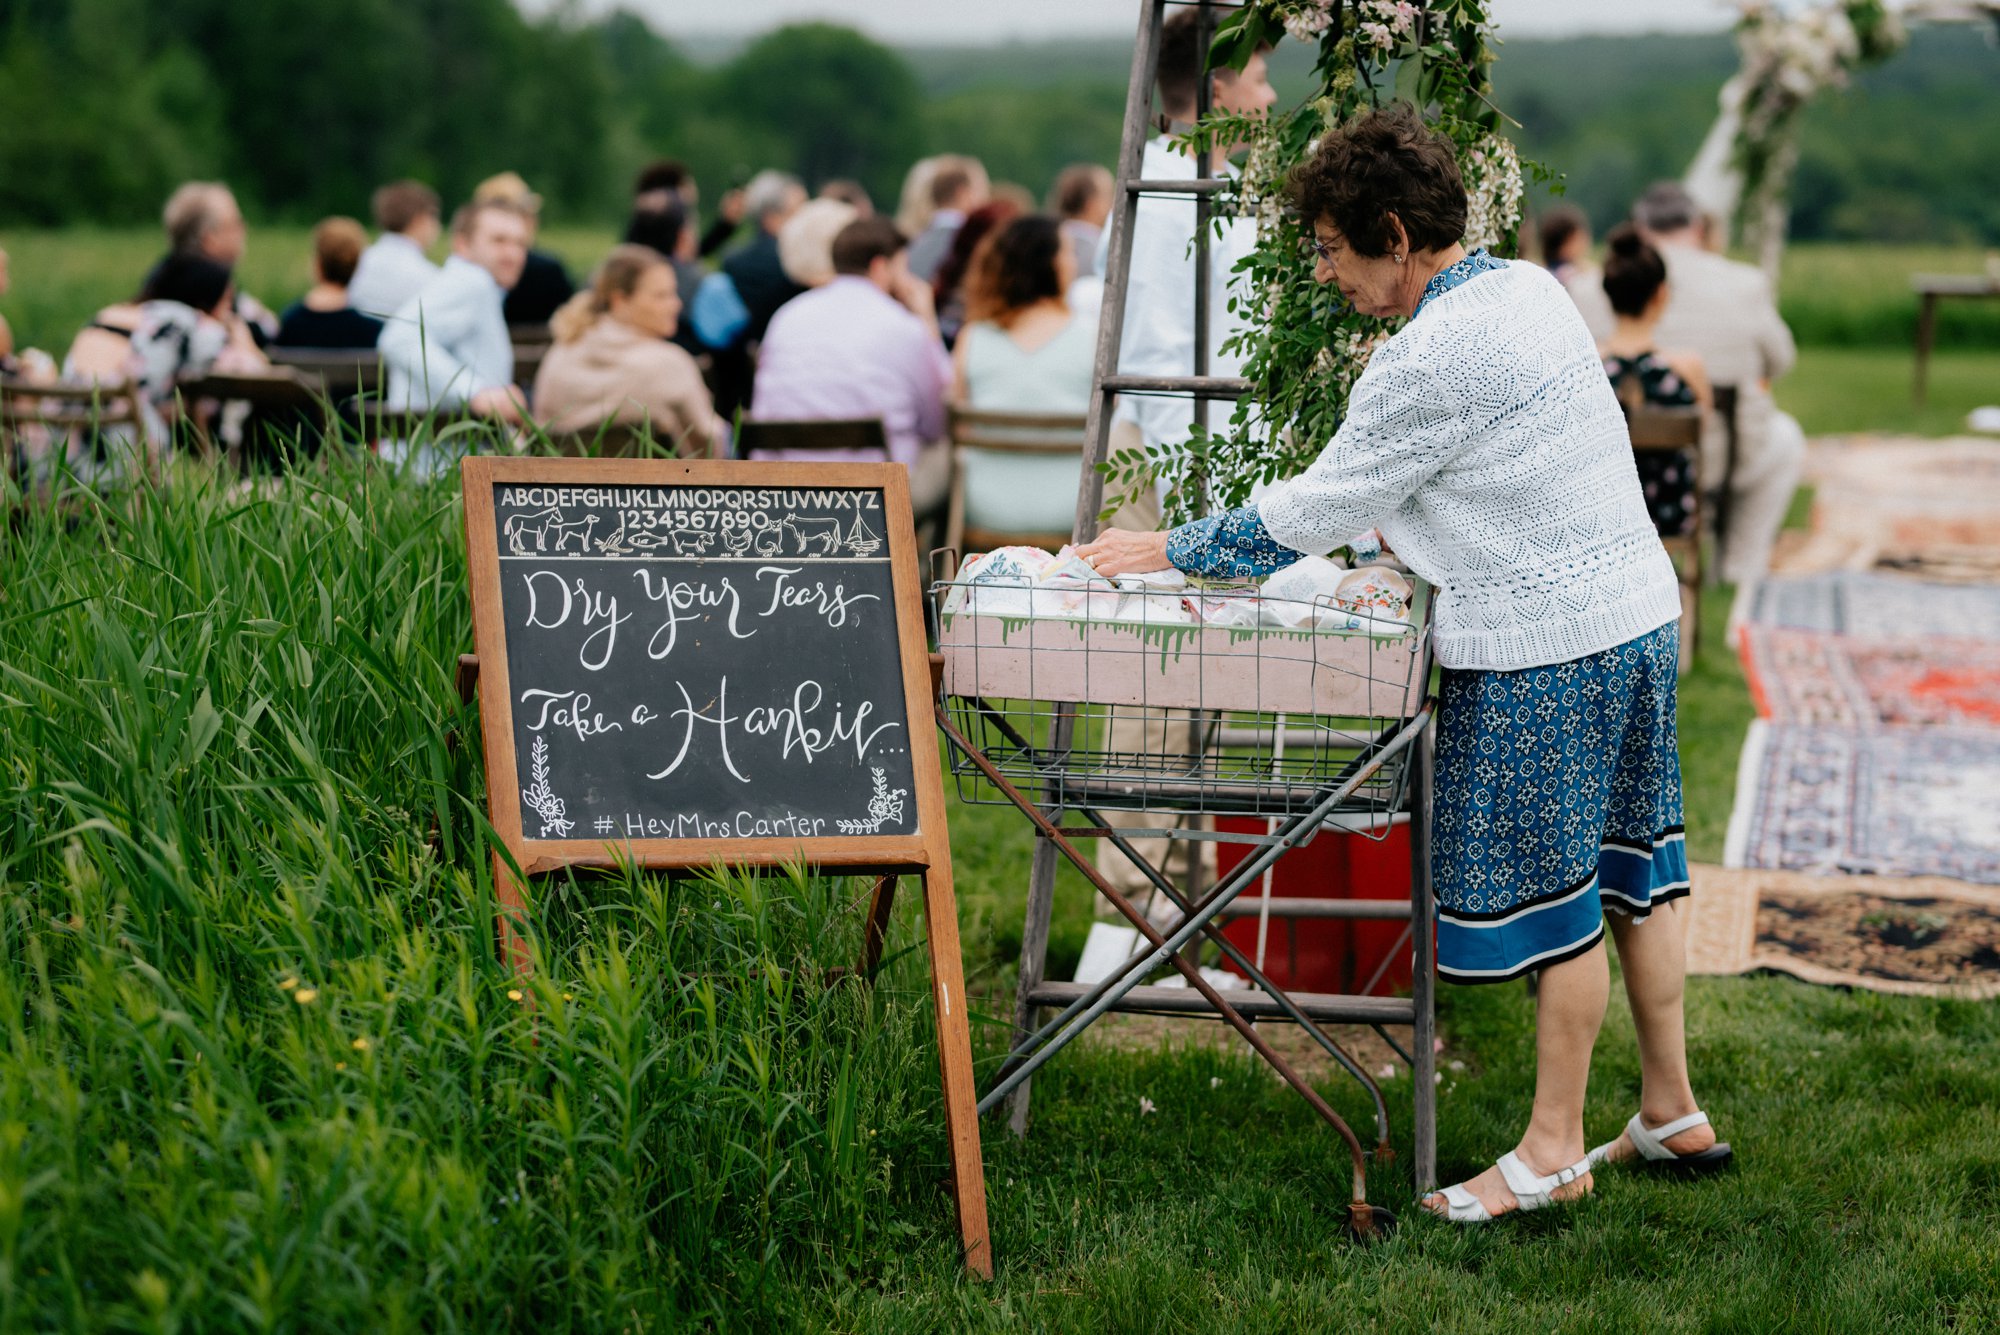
(262, 1070)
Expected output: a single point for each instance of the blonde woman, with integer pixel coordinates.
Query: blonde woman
(612, 362)
(805, 242)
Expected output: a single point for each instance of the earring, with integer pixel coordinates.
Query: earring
(1399, 259)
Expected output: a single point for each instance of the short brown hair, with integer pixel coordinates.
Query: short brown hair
(398, 205)
(466, 221)
(1385, 163)
(1077, 186)
(865, 240)
(1179, 74)
(950, 181)
(337, 246)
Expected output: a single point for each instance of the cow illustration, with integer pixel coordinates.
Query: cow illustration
(806, 532)
(688, 542)
(542, 526)
(737, 541)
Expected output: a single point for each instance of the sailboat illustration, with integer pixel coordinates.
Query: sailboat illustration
(861, 540)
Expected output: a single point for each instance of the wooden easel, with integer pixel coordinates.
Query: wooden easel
(926, 854)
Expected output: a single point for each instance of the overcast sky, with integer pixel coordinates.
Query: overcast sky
(974, 21)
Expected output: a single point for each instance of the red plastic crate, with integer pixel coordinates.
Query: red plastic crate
(1321, 954)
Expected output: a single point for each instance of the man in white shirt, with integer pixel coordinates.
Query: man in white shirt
(448, 346)
(1159, 293)
(396, 267)
(1158, 340)
(1723, 311)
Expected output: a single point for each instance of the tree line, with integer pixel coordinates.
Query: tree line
(304, 108)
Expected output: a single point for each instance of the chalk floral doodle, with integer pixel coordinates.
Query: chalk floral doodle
(884, 808)
(541, 801)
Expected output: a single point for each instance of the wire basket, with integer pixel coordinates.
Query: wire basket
(1164, 715)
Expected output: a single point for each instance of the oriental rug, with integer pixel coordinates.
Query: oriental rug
(1885, 801)
(1859, 602)
(1918, 937)
(1804, 676)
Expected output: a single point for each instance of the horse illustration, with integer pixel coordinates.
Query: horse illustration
(543, 525)
(806, 532)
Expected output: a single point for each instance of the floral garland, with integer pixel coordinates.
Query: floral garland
(1788, 59)
(1302, 351)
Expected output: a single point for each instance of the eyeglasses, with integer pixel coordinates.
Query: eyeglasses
(1319, 248)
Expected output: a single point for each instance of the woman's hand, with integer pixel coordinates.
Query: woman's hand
(1120, 551)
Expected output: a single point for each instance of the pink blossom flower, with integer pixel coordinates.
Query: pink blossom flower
(1378, 35)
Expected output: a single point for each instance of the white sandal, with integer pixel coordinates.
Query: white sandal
(1531, 1190)
(1654, 1156)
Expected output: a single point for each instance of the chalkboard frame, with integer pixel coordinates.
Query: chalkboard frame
(846, 854)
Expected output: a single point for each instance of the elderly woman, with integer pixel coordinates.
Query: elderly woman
(1486, 444)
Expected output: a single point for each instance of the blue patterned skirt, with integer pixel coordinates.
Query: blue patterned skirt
(1558, 796)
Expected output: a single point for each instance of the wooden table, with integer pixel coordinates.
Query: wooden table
(1932, 288)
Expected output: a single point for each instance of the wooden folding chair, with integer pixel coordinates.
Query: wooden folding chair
(1727, 403)
(755, 438)
(620, 440)
(1057, 434)
(1657, 429)
(343, 372)
(54, 410)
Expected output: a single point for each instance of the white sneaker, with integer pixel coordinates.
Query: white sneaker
(1986, 420)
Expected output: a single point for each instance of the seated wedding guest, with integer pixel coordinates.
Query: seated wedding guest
(948, 288)
(612, 361)
(324, 317)
(409, 217)
(664, 226)
(755, 269)
(202, 218)
(1564, 233)
(448, 346)
(671, 177)
(849, 192)
(1723, 312)
(1023, 350)
(805, 242)
(1081, 197)
(6, 334)
(913, 202)
(865, 345)
(1635, 282)
(181, 326)
(958, 186)
(544, 284)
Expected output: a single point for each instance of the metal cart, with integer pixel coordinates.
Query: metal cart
(1134, 722)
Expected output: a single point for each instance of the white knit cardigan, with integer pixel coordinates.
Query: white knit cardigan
(1485, 441)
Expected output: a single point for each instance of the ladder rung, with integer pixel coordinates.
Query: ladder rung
(1250, 1003)
(1206, 386)
(1249, 907)
(1212, 185)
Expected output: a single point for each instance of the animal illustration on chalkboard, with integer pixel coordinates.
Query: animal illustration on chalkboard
(807, 532)
(688, 542)
(771, 542)
(615, 544)
(736, 541)
(885, 807)
(547, 530)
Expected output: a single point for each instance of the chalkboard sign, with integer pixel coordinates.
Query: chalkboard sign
(685, 663)
(701, 661)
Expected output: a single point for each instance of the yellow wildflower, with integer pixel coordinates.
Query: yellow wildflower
(513, 994)
(287, 983)
(361, 1045)
(305, 996)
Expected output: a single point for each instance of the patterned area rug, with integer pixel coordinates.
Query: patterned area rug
(1926, 937)
(1876, 801)
(1803, 676)
(1858, 602)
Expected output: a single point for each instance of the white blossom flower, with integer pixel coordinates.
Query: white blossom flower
(1146, 1106)
(1378, 35)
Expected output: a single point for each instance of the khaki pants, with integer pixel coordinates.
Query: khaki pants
(1155, 734)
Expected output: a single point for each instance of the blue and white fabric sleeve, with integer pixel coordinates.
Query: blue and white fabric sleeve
(1232, 545)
